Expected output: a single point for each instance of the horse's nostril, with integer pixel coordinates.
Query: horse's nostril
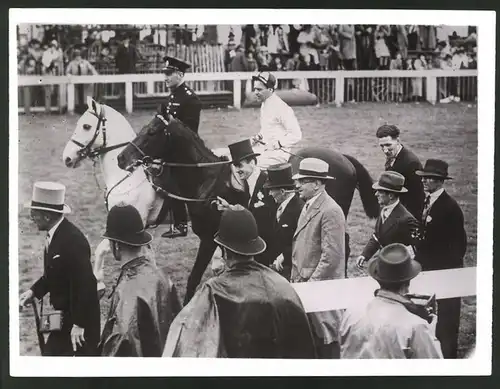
(67, 161)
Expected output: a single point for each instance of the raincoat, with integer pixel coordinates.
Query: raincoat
(144, 304)
(249, 311)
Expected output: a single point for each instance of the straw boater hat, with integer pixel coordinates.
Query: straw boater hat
(279, 176)
(238, 232)
(391, 181)
(313, 168)
(124, 224)
(435, 168)
(49, 196)
(241, 150)
(172, 63)
(393, 264)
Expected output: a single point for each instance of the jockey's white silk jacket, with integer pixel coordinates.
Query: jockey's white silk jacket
(278, 124)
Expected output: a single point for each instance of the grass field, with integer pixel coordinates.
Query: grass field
(448, 132)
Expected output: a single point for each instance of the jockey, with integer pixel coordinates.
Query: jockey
(279, 128)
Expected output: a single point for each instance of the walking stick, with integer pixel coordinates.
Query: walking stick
(41, 340)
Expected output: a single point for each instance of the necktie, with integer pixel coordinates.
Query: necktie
(303, 213)
(281, 208)
(427, 204)
(47, 243)
(388, 163)
(247, 191)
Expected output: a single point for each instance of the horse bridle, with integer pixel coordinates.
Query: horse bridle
(86, 151)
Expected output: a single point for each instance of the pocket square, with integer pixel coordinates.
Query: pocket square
(284, 225)
(56, 256)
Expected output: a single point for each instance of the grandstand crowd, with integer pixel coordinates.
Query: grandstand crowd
(58, 49)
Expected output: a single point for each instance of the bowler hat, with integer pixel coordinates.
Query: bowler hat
(238, 232)
(177, 64)
(241, 150)
(313, 168)
(391, 181)
(124, 224)
(393, 264)
(435, 168)
(279, 176)
(49, 196)
(266, 78)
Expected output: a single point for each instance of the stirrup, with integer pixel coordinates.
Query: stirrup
(179, 230)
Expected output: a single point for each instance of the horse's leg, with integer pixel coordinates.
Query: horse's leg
(205, 253)
(102, 249)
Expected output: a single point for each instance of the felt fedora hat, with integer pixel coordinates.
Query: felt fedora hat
(435, 168)
(49, 196)
(313, 168)
(241, 150)
(124, 224)
(172, 63)
(393, 264)
(279, 176)
(391, 181)
(238, 232)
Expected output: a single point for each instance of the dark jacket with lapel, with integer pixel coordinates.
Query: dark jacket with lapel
(406, 163)
(69, 279)
(445, 240)
(284, 229)
(400, 227)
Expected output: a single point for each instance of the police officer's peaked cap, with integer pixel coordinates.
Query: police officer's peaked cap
(175, 64)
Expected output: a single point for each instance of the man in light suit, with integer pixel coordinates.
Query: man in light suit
(318, 251)
(443, 246)
(67, 276)
(395, 224)
(281, 187)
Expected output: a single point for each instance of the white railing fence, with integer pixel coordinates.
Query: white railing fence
(57, 93)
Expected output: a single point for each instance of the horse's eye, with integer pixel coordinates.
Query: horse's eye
(87, 127)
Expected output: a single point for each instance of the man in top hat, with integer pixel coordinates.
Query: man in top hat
(67, 276)
(443, 246)
(395, 224)
(279, 128)
(402, 160)
(388, 326)
(254, 196)
(144, 301)
(182, 104)
(281, 188)
(249, 311)
(318, 248)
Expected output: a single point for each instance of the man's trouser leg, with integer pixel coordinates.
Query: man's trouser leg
(448, 326)
(179, 215)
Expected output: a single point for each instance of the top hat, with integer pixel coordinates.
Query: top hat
(393, 264)
(238, 232)
(124, 224)
(172, 63)
(435, 168)
(266, 78)
(49, 196)
(391, 181)
(313, 168)
(279, 176)
(241, 150)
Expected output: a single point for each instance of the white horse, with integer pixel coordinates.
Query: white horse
(102, 133)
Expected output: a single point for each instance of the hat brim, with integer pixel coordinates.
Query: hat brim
(299, 176)
(372, 270)
(255, 247)
(379, 187)
(423, 173)
(245, 157)
(270, 185)
(141, 239)
(66, 208)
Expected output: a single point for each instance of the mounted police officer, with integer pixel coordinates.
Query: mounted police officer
(183, 105)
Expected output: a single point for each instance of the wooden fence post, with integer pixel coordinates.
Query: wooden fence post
(71, 97)
(431, 89)
(27, 99)
(339, 89)
(237, 94)
(129, 97)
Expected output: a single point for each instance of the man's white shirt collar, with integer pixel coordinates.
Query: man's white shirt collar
(434, 196)
(387, 210)
(252, 180)
(313, 199)
(285, 202)
(51, 232)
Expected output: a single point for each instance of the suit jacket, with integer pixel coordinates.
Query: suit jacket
(445, 239)
(400, 227)
(406, 163)
(318, 251)
(284, 229)
(69, 279)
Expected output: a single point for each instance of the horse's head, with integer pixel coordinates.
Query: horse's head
(88, 135)
(171, 141)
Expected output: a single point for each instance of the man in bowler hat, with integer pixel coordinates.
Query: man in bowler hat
(67, 275)
(388, 328)
(443, 246)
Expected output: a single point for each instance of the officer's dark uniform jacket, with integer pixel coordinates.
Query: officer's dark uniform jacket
(183, 104)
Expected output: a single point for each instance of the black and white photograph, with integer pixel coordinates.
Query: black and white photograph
(210, 196)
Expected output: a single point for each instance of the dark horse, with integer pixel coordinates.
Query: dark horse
(175, 143)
